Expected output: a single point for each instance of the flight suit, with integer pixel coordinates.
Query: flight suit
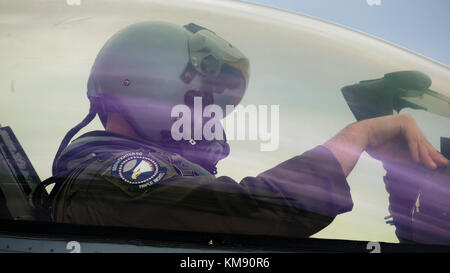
(113, 180)
(419, 202)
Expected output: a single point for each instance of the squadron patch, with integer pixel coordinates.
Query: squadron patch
(138, 170)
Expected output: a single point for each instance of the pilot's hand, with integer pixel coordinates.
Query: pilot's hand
(391, 139)
(398, 139)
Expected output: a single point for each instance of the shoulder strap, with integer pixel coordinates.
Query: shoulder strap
(42, 201)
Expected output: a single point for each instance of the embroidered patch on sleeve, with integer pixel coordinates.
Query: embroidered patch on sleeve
(138, 170)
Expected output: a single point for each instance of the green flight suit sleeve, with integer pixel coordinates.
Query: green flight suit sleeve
(297, 198)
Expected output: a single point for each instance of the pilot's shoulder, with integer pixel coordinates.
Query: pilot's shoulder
(137, 169)
(133, 169)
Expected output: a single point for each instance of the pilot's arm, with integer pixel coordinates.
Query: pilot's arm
(297, 198)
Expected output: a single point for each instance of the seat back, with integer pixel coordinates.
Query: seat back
(18, 178)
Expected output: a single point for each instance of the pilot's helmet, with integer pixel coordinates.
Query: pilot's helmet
(146, 69)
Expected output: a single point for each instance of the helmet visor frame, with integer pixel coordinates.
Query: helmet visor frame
(209, 55)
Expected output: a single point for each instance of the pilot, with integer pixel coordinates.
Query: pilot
(135, 174)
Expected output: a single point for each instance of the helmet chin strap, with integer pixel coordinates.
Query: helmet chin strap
(206, 153)
(69, 135)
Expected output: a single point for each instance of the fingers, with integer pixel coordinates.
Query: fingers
(414, 150)
(429, 156)
(425, 156)
(436, 156)
(420, 148)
